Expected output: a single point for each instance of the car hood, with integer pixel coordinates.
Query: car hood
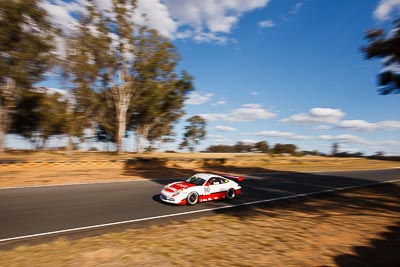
(177, 186)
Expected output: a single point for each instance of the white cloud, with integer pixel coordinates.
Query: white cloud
(219, 139)
(208, 19)
(286, 135)
(390, 147)
(208, 37)
(296, 8)
(184, 34)
(316, 115)
(203, 21)
(212, 15)
(247, 112)
(361, 125)
(197, 99)
(266, 23)
(222, 24)
(389, 143)
(345, 138)
(254, 93)
(214, 116)
(385, 8)
(323, 127)
(60, 13)
(389, 125)
(225, 128)
(219, 102)
(157, 17)
(329, 118)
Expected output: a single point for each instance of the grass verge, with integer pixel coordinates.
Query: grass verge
(46, 168)
(354, 228)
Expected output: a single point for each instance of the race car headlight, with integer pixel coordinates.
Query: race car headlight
(177, 192)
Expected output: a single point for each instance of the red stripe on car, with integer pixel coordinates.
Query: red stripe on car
(181, 185)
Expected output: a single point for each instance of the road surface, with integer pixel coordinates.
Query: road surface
(31, 211)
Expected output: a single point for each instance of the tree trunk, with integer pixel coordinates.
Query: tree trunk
(3, 127)
(122, 110)
(70, 122)
(8, 94)
(142, 133)
(2, 141)
(138, 137)
(70, 147)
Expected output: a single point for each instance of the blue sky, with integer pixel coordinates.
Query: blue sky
(286, 71)
(307, 62)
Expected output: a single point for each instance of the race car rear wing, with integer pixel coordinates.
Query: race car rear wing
(233, 177)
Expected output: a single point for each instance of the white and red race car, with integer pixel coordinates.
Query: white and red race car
(202, 187)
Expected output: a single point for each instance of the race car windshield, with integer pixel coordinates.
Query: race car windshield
(195, 180)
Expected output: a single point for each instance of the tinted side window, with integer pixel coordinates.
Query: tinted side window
(217, 180)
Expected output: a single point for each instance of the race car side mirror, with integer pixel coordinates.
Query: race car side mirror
(207, 184)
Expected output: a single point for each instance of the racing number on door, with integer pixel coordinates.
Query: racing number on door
(206, 190)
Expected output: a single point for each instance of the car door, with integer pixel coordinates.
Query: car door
(216, 185)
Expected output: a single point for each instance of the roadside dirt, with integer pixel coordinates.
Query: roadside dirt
(54, 168)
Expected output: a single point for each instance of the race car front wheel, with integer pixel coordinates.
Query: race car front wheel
(192, 198)
(231, 193)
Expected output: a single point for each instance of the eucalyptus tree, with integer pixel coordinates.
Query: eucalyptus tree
(112, 53)
(195, 131)
(39, 115)
(85, 58)
(163, 92)
(133, 68)
(26, 37)
(388, 49)
(121, 76)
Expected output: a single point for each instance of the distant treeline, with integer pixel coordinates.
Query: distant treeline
(392, 158)
(291, 149)
(261, 147)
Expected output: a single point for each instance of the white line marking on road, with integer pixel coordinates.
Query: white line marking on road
(192, 212)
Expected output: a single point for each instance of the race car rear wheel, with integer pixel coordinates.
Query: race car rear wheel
(192, 198)
(231, 193)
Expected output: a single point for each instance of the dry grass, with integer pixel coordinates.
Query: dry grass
(357, 228)
(44, 168)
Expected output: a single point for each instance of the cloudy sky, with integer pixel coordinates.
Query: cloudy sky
(287, 71)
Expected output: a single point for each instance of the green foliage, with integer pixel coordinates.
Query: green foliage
(335, 149)
(86, 57)
(284, 149)
(312, 153)
(221, 149)
(195, 131)
(262, 146)
(39, 115)
(388, 49)
(162, 91)
(117, 74)
(240, 147)
(25, 42)
(106, 117)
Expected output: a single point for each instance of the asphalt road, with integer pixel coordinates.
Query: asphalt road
(37, 210)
